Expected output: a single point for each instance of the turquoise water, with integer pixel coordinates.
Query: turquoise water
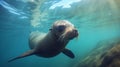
(95, 21)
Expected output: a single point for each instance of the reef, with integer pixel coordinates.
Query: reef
(105, 54)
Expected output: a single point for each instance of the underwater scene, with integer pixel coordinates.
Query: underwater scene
(59, 33)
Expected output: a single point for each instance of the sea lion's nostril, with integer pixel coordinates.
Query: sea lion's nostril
(75, 31)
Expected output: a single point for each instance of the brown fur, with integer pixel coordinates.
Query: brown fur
(52, 43)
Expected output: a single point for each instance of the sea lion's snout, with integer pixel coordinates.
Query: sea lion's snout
(72, 34)
(75, 33)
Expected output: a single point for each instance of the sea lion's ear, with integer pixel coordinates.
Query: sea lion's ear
(50, 29)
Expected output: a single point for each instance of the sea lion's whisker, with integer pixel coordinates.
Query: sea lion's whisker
(61, 38)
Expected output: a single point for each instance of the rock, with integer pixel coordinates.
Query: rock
(105, 54)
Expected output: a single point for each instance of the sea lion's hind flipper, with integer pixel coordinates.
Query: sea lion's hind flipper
(28, 53)
(68, 52)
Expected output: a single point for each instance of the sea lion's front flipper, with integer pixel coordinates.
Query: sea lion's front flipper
(28, 53)
(68, 52)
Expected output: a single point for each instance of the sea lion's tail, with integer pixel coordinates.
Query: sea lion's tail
(28, 53)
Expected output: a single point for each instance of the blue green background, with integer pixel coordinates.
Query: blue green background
(96, 20)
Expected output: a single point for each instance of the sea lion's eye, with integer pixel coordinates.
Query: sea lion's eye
(61, 28)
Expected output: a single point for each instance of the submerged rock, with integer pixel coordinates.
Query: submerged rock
(105, 54)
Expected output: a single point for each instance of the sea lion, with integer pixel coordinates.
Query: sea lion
(52, 43)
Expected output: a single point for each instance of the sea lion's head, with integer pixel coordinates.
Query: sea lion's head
(64, 30)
